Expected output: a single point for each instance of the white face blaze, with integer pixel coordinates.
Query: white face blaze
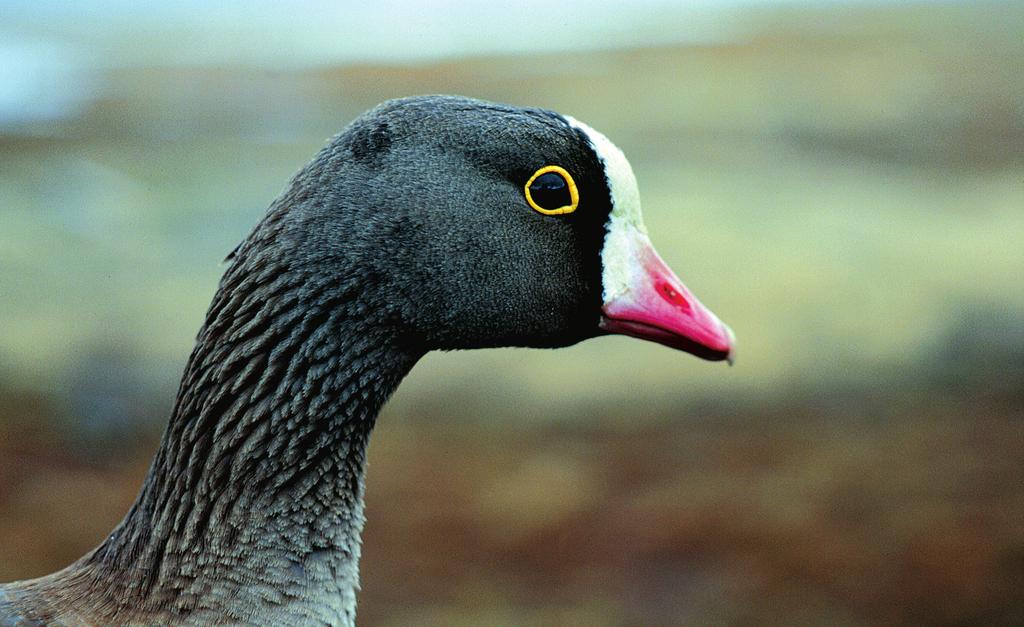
(625, 227)
(641, 295)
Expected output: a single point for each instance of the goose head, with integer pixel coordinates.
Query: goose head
(483, 225)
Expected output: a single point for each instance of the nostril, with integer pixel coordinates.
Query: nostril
(672, 295)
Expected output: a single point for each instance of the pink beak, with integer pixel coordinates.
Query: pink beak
(651, 303)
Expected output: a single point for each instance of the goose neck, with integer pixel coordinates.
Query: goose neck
(253, 506)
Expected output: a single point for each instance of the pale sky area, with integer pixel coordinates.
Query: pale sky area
(123, 32)
(48, 48)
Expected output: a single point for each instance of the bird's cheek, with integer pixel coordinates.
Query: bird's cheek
(643, 298)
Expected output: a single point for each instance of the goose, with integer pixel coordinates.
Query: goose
(428, 223)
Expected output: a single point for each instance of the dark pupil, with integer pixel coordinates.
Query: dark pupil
(550, 191)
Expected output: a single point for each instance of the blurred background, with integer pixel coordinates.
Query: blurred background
(842, 182)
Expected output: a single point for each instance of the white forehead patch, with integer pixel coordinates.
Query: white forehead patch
(625, 223)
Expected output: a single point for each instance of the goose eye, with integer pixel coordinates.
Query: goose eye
(552, 191)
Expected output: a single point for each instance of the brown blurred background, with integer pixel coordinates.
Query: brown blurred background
(841, 182)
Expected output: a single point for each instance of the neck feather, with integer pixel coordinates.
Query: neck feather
(253, 506)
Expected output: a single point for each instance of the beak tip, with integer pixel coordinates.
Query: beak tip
(731, 356)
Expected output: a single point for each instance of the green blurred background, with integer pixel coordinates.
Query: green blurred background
(842, 182)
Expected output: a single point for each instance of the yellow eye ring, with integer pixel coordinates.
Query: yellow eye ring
(574, 194)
